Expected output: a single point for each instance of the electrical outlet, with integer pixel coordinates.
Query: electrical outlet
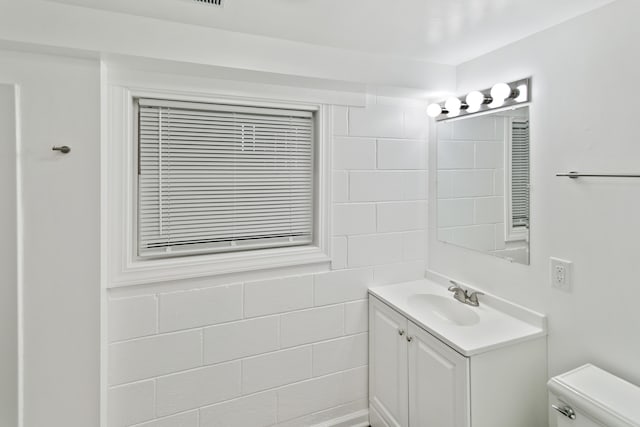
(561, 274)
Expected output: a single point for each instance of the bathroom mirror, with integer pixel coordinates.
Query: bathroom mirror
(483, 183)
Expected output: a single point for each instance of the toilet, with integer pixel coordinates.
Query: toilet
(591, 397)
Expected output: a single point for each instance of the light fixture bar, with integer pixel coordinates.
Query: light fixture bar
(499, 95)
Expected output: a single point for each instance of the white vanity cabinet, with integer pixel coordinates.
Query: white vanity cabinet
(416, 380)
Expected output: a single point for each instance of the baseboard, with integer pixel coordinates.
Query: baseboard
(355, 419)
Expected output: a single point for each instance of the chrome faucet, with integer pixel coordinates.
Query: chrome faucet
(463, 295)
(458, 293)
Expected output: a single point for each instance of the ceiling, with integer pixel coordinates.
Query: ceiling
(441, 31)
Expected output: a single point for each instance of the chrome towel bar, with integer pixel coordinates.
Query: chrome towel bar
(574, 175)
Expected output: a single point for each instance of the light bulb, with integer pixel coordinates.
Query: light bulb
(500, 92)
(523, 95)
(475, 99)
(434, 110)
(453, 104)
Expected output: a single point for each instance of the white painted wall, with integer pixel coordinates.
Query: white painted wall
(28, 23)
(582, 118)
(59, 105)
(8, 259)
(288, 346)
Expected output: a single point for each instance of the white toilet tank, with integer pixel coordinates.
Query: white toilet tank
(590, 397)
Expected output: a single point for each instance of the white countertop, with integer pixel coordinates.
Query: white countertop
(500, 322)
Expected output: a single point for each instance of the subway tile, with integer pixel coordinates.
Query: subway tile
(158, 355)
(131, 403)
(310, 396)
(414, 246)
(354, 218)
(241, 339)
(478, 237)
(456, 155)
(308, 326)
(200, 307)
(444, 184)
(338, 253)
(372, 186)
(356, 383)
(475, 183)
(415, 185)
(132, 317)
(321, 393)
(489, 210)
(276, 369)
(402, 154)
(257, 410)
(354, 153)
(498, 182)
(187, 419)
(340, 354)
(480, 128)
(401, 216)
(455, 212)
(340, 186)
(489, 155)
(340, 116)
(376, 121)
(374, 249)
(196, 388)
(356, 317)
(401, 272)
(376, 186)
(278, 295)
(340, 286)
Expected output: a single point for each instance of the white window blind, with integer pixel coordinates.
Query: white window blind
(520, 173)
(218, 178)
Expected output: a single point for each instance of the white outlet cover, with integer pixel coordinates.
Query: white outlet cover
(561, 274)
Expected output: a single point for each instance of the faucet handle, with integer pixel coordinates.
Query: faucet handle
(454, 286)
(473, 298)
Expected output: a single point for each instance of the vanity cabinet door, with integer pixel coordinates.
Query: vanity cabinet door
(438, 382)
(388, 388)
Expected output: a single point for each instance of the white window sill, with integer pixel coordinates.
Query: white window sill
(138, 272)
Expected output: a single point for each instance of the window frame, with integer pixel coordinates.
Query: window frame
(127, 268)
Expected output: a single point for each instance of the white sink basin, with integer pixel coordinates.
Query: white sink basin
(468, 330)
(446, 309)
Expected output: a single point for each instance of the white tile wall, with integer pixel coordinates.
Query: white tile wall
(354, 153)
(131, 403)
(149, 357)
(186, 419)
(257, 410)
(196, 388)
(313, 325)
(278, 295)
(132, 317)
(200, 307)
(289, 351)
(471, 183)
(241, 339)
(340, 354)
(276, 369)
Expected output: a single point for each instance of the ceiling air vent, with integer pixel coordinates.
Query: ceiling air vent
(211, 2)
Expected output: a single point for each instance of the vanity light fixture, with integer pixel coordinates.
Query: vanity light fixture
(454, 105)
(500, 95)
(434, 110)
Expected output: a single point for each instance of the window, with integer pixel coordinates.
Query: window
(518, 179)
(222, 178)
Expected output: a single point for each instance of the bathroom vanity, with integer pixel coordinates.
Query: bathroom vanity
(435, 361)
